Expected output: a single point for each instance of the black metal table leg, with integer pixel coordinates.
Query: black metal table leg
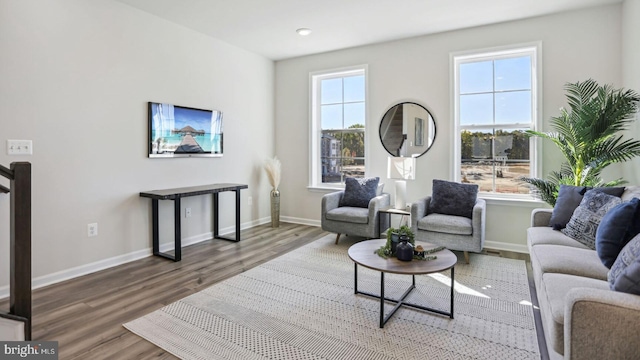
(452, 282)
(382, 321)
(156, 230)
(216, 218)
(177, 236)
(400, 302)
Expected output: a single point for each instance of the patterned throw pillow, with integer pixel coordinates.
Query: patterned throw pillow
(625, 272)
(359, 191)
(451, 198)
(569, 198)
(585, 219)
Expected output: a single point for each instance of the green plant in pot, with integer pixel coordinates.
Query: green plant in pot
(589, 137)
(393, 238)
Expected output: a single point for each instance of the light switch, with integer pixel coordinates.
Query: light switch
(19, 147)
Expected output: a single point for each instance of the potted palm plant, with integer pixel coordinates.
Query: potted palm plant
(589, 136)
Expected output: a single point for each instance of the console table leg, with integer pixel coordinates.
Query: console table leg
(237, 215)
(156, 231)
(178, 230)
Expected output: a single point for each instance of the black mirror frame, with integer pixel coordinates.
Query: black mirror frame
(431, 117)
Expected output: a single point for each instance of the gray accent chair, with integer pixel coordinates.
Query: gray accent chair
(354, 220)
(453, 232)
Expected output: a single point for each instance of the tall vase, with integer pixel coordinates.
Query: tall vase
(275, 208)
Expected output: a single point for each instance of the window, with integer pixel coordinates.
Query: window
(338, 118)
(495, 102)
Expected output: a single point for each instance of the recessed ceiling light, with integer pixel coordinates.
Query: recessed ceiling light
(303, 31)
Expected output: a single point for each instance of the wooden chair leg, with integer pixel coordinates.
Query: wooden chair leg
(466, 256)
(338, 238)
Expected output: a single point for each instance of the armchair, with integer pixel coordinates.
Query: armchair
(354, 220)
(453, 232)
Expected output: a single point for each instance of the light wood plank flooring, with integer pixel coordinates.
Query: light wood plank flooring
(85, 315)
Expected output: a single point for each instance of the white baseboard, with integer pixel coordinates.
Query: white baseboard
(81, 270)
(497, 245)
(301, 221)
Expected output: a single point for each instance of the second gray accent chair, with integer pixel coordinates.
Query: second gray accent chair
(350, 220)
(453, 232)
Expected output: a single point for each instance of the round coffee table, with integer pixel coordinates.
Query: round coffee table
(362, 253)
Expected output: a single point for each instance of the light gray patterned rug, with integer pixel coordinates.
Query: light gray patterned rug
(302, 306)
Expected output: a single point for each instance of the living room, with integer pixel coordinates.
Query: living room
(67, 65)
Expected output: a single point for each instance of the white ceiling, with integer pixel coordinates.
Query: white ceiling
(267, 27)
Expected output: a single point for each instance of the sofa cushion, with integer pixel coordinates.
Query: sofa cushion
(349, 214)
(618, 226)
(449, 224)
(625, 272)
(540, 235)
(568, 260)
(630, 192)
(359, 191)
(569, 198)
(552, 302)
(586, 218)
(452, 198)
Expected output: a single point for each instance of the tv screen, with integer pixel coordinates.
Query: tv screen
(179, 131)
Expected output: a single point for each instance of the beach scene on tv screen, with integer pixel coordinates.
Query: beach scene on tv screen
(182, 130)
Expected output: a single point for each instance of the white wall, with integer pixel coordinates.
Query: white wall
(631, 72)
(76, 78)
(576, 46)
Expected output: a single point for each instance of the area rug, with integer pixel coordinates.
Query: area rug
(302, 306)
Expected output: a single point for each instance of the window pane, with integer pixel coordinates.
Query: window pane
(354, 88)
(513, 74)
(476, 154)
(353, 115)
(330, 157)
(476, 109)
(331, 91)
(495, 161)
(331, 116)
(513, 107)
(353, 144)
(476, 77)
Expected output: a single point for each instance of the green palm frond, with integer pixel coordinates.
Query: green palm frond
(588, 136)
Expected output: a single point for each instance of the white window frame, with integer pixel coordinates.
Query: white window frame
(315, 126)
(535, 50)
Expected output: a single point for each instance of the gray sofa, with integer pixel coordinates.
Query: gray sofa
(581, 317)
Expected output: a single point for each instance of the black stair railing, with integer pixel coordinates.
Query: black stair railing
(19, 189)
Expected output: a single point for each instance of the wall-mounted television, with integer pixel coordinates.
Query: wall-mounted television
(179, 131)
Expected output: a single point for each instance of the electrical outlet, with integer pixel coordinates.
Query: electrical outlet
(250, 200)
(19, 147)
(92, 229)
(187, 212)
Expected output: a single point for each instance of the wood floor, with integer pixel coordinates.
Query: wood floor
(85, 315)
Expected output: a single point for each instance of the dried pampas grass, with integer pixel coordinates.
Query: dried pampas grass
(272, 166)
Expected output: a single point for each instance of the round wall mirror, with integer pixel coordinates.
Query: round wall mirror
(407, 129)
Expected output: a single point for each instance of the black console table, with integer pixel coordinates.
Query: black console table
(176, 195)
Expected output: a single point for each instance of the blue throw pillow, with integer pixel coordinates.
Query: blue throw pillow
(618, 226)
(451, 198)
(624, 275)
(359, 191)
